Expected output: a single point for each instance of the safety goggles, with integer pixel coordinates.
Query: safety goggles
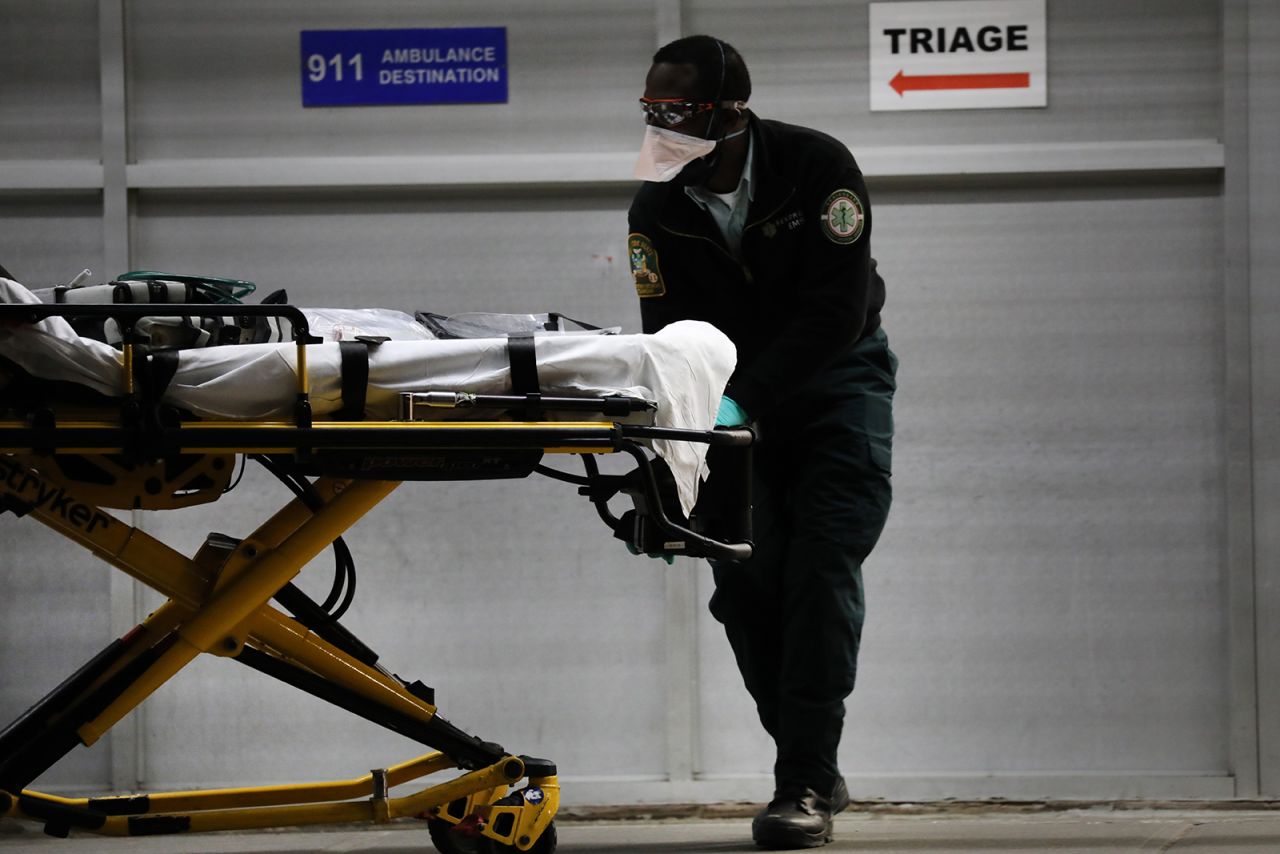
(672, 111)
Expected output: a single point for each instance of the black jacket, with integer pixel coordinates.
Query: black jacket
(807, 289)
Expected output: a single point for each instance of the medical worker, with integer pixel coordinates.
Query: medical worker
(764, 230)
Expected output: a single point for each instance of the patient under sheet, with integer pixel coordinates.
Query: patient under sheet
(683, 368)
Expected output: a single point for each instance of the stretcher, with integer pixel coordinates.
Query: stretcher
(87, 427)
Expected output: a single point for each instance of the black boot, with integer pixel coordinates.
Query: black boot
(798, 817)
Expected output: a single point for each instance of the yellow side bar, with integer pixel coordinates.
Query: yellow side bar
(246, 594)
(289, 449)
(261, 796)
(366, 811)
(76, 449)
(191, 445)
(195, 426)
(480, 426)
(507, 770)
(340, 425)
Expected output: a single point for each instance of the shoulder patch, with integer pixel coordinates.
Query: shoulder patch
(644, 266)
(843, 217)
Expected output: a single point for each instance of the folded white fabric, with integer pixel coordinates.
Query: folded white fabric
(684, 367)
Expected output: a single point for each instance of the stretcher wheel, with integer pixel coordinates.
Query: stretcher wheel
(448, 841)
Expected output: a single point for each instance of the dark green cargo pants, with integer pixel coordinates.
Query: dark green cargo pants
(793, 613)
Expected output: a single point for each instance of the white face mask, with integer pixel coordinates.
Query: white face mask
(665, 152)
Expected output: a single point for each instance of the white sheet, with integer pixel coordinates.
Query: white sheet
(685, 368)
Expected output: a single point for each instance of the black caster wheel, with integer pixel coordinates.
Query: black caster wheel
(448, 841)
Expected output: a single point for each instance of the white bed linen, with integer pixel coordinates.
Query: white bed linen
(684, 367)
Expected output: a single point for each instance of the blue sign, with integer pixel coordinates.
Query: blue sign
(350, 68)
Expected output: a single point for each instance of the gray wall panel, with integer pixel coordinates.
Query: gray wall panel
(1264, 212)
(239, 91)
(49, 80)
(447, 253)
(60, 621)
(1060, 456)
(48, 239)
(57, 610)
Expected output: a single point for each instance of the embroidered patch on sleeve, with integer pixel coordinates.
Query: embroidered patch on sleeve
(842, 217)
(644, 266)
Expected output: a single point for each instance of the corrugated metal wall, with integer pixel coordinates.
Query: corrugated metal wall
(1054, 609)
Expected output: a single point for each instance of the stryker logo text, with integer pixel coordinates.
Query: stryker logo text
(30, 488)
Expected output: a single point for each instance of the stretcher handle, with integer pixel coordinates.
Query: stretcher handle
(710, 548)
(734, 437)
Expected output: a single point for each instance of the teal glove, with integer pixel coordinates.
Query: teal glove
(730, 413)
(668, 557)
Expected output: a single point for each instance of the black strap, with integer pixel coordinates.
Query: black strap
(355, 375)
(355, 380)
(524, 364)
(153, 372)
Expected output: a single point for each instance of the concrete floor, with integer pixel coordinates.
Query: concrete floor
(1093, 831)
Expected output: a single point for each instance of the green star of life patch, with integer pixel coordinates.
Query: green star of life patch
(843, 217)
(644, 266)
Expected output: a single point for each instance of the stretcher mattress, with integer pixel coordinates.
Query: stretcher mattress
(683, 368)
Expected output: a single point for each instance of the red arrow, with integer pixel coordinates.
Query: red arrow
(901, 82)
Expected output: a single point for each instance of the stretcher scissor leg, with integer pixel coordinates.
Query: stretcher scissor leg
(219, 604)
(216, 620)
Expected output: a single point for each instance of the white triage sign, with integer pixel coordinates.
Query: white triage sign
(958, 55)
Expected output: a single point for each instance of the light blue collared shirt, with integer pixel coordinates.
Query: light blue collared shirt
(729, 210)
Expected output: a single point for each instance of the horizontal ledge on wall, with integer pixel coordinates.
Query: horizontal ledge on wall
(50, 175)
(1149, 786)
(1191, 155)
(615, 168)
(600, 168)
(1136, 786)
(451, 170)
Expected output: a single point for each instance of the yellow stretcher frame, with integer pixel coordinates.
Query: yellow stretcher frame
(219, 603)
